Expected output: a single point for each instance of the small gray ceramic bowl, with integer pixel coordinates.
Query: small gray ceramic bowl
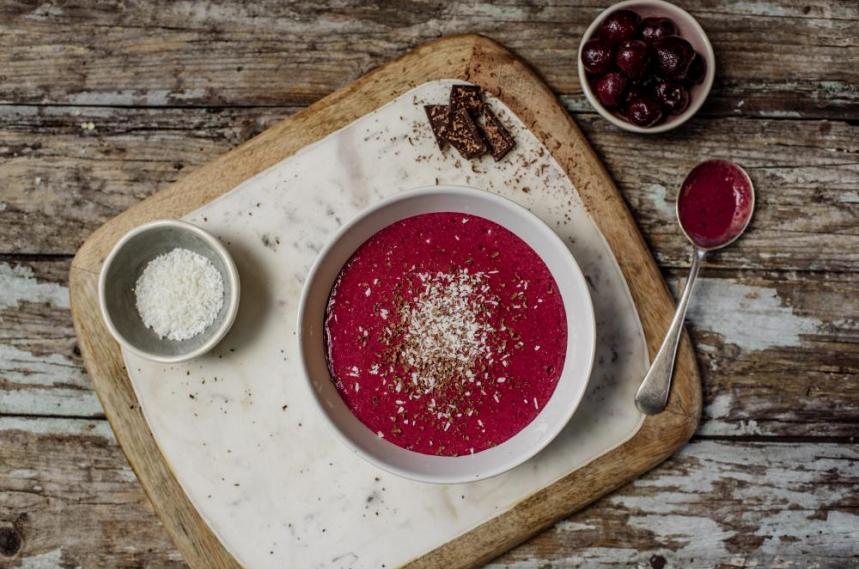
(688, 28)
(123, 266)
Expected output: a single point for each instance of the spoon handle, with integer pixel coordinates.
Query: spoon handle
(652, 396)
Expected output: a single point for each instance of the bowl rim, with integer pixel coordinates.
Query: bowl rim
(675, 121)
(551, 433)
(232, 276)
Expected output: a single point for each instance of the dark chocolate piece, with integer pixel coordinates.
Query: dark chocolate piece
(439, 118)
(463, 134)
(497, 136)
(468, 96)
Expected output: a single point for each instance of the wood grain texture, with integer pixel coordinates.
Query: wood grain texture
(64, 179)
(793, 58)
(791, 374)
(72, 501)
(470, 58)
(69, 494)
(102, 104)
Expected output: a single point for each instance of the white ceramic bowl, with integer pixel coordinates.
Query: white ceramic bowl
(122, 268)
(688, 28)
(580, 325)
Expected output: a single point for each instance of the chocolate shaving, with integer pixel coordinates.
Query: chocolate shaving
(439, 118)
(462, 133)
(468, 96)
(497, 136)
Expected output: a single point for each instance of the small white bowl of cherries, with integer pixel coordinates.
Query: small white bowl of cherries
(646, 65)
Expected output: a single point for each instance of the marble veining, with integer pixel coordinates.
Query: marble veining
(238, 426)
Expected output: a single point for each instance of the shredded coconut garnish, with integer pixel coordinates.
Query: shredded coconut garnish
(445, 329)
(179, 294)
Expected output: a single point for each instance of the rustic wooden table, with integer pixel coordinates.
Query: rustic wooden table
(101, 105)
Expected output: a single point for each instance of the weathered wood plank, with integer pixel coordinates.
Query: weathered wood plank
(778, 352)
(806, 177)
(793, 58)
(67, 491)
(717, 505)
(41, 372)
(68, 499)
(68, 170)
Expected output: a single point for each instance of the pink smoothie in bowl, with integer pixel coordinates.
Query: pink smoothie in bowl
(445, 334)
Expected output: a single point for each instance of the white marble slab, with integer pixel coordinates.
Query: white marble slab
(238, 426)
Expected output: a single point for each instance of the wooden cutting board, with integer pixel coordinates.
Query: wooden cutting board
(469, 58)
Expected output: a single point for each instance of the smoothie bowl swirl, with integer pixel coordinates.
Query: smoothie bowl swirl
(447, 334)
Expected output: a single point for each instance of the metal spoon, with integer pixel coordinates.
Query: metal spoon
(652, 396)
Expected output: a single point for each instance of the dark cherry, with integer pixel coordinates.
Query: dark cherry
(653, 29)
(697, 70)
(636, 90)
(643, 111)
(673, 55)
(632, 58)
(598, 56)
(673, 97)
(620, 25)
(610, 89)
(640, 88)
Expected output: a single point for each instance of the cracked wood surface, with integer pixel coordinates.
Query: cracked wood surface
(70, 169)
(794, 58)
(70, 496)
(100, 107)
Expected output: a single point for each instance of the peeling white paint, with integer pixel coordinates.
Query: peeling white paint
(51, 560)
(22, 473)
(50, 402)
(837, 89)
(126, 474)
(720, 407)
(693, 536)
(784, 469)
(750, 317)
(57, 426)
(47, 10)
(49, 385)
(781, 114)
(720, 419)
(658, 195)
(149, 98)
(759, 8)
(790, 534)
(21, 367)
(588, 558)
(567, 525)
(17, 284)
(784, 486)
(851, 197)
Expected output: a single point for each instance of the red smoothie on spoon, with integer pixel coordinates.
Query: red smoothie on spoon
(715, 203)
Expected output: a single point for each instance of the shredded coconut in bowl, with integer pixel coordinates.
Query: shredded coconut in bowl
(179, 294)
